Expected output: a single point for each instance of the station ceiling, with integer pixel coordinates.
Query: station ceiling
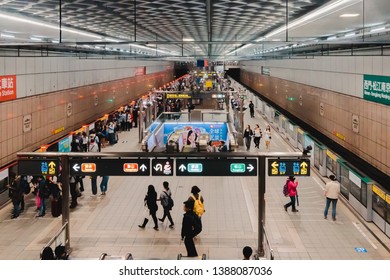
(188, 29)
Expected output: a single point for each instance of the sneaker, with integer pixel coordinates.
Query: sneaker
(161, 220)
(172, 226)
(285, 208)
(155, 228)
(295, 210)
(140, 226)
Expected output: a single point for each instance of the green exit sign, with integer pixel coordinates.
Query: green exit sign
(237, 167)
(195, 167)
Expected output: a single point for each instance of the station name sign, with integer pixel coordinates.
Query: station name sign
(289, 167)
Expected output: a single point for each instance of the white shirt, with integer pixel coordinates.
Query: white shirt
(332, 190)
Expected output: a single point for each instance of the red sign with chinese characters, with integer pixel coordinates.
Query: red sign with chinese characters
(139, 71)
(7, 88)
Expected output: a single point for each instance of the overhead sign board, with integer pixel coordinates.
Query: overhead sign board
(289, 167)
(214, 167)
(177, 95)
(36, 167)
(113, 167)
(162, 167)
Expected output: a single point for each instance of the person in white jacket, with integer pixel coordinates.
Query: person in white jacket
(332, 191)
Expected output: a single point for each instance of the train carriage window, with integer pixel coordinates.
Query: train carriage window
(378, 205)
(317, 156)
(331, 164)
(355, 191)
(388, 213)
(344, 181)
(364, 194)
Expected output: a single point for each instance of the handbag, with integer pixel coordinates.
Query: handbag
(38, 200)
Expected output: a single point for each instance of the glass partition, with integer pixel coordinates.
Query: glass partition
(379, 201)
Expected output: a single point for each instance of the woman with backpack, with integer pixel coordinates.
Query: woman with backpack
(197, 200)
(166, 203)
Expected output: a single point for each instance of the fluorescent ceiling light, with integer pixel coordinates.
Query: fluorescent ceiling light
(112, 40)
(377, 29)
(350, 34)
(332, 38)
(55, 41)
(7, 35)
(29, 21)
(35, 39)
(349, 15)
(323, 11)
(188, 40)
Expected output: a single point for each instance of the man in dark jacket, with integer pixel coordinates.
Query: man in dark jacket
(16, 195)
(187, 233)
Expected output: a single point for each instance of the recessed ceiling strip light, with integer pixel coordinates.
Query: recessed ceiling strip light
(25, 20)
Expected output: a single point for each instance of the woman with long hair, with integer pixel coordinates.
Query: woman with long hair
(151, 202)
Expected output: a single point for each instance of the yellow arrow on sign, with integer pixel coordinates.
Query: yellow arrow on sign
(303, 165)
(52, 164)
(275, 164)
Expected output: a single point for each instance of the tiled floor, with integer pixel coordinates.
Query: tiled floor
(110, 223)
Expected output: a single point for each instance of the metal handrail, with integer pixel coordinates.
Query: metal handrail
(267, 245)
(55, 238)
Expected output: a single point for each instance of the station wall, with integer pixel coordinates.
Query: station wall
(46, 114)
(328, 96)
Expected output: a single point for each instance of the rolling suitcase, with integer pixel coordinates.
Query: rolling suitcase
(56, 207)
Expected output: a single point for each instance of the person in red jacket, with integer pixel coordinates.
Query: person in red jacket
(292, 192)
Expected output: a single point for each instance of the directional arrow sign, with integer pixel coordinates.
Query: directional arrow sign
(213, 167)
(76, 167)
(143, 168)
(36, 167)
(182, 168)
(162, 167)
(110, 167)
(289, 167)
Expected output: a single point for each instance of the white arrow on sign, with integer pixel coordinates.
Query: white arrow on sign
(182, 168)
(143, 167)
(76, 167)
(250, 167)
(158, 167)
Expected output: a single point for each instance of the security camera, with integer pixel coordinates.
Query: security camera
(306, 151)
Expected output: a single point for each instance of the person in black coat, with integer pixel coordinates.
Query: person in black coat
(151, 202)
(187, 232)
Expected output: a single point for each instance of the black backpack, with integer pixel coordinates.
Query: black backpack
(169, 201)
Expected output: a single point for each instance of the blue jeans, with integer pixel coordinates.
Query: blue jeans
(103, 184)
(42, 209)
(334, 203)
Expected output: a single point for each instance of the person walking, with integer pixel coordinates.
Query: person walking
(198, 202)
(151, 202)
(332, 191)
(248, 133)
(257, 136)
(292, 192)
(267, 137)
(104, 184)
(16, 194)
(164, 198)
(187, 234)
(251, 109)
